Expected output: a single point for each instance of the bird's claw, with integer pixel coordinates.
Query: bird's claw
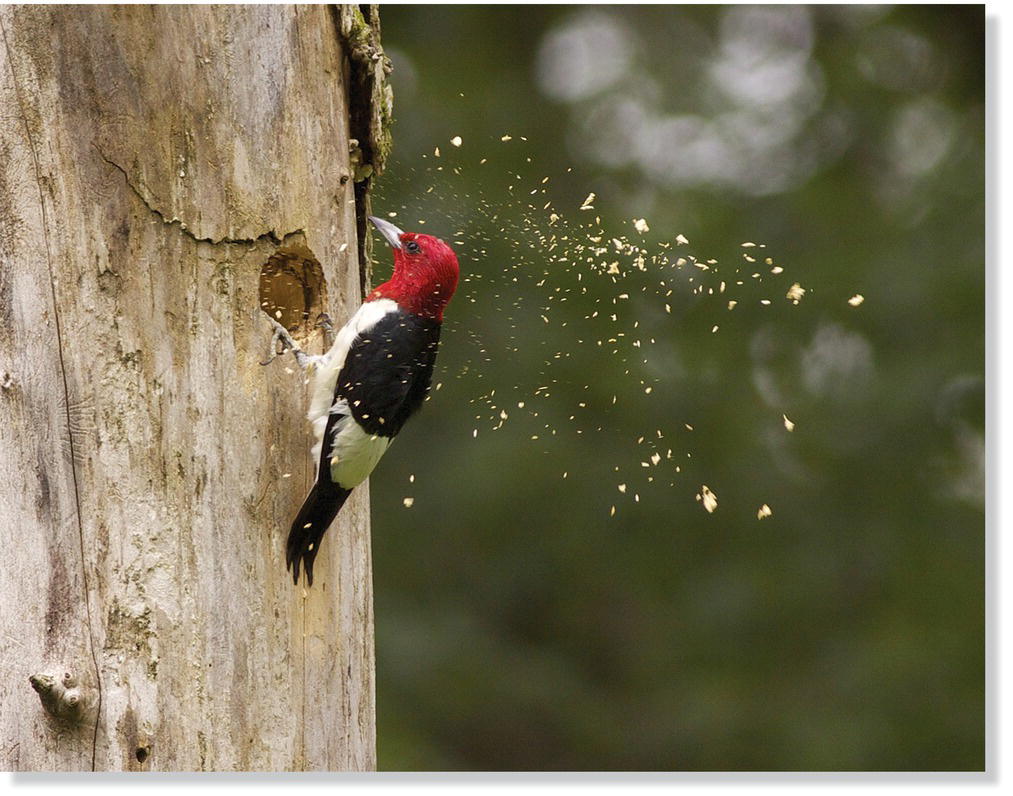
(281, 335)
(324, 322)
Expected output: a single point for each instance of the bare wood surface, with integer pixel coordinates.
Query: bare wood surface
(153, 160)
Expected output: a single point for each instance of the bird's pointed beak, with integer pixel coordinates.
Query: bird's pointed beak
(389, 231)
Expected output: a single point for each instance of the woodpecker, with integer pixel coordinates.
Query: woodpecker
(374, 377)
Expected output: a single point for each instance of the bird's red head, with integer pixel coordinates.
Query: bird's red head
(425, 272)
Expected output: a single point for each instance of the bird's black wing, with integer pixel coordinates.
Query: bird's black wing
(386, 374)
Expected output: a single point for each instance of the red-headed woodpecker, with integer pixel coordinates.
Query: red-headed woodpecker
(372, 380)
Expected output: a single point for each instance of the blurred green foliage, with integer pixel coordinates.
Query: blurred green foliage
(519, 625)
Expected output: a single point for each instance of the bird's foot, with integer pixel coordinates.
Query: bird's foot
(281, 335)
(324, 322)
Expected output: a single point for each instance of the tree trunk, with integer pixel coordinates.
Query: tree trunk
(166, 172)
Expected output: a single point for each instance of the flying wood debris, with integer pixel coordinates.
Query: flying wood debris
(708, 498)
(564, 255)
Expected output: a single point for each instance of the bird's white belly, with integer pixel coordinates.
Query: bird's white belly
(355, 453)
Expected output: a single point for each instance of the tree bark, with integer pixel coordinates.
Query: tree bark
(166, 174)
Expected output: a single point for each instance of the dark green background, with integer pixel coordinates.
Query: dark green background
(518, 625)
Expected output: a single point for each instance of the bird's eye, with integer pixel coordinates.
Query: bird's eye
(412, 247)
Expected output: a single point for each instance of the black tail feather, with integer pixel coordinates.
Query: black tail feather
(318, 511)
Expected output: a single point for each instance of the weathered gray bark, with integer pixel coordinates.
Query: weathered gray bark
(163, 172)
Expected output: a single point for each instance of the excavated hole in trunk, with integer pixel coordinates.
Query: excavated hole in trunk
(293, 290)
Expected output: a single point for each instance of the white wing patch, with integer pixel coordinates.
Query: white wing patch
(326, 372)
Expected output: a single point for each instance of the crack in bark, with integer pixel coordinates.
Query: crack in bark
(271, 236)
(370, 109)
(66, 389)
